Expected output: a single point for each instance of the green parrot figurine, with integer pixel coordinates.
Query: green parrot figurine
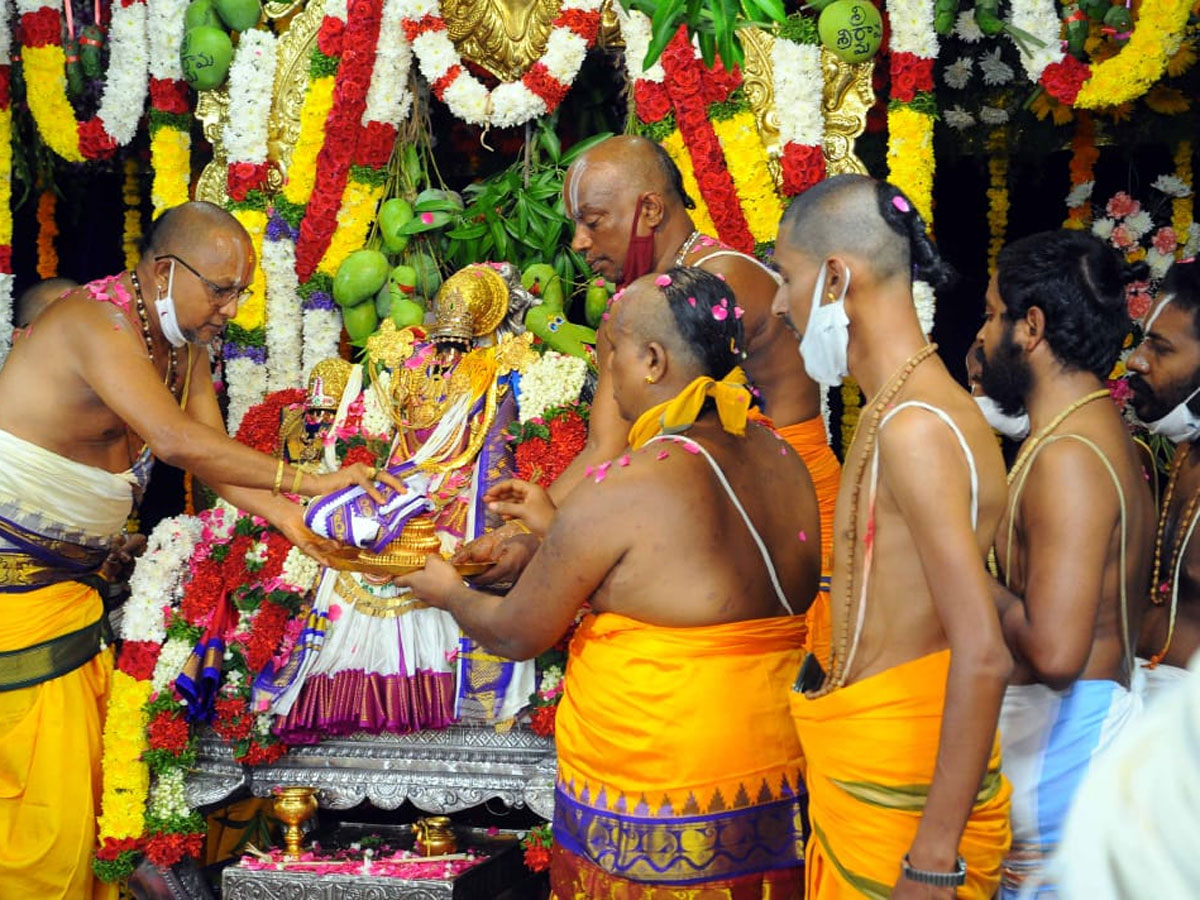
(547, 321)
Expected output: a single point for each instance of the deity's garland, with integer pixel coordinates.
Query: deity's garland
(1084, 154)
(1182, 206)
(47, 255)
(998, 203)
(124, 94)
(1127, 75)
(536, 93)
(677, 150)
(131, 239)
(170, 107)
(6, 221)
(799, 88)
(746, 157)
(284, 322)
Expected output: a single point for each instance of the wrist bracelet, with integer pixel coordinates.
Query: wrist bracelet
(296, 480)
(278, 479)
(935, 879)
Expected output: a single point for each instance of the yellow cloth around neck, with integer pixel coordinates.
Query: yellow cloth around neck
(679, 413)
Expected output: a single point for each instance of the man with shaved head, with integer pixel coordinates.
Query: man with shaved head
(34, 299)
(692, 549)
(898, 726)
(630, 210)
(113, 375)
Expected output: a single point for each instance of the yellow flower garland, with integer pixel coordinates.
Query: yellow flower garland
(1142, 61)
(133, 214)
(673, 144)
(997, 207)
(302, 171)
(1181, 207)
(747, 160)
(170, 158)
(47, 256)
(6, 222)
(126, 778)
(910, 157)
(359, 202)
(851, 408)
(253, 311)
(45, 73)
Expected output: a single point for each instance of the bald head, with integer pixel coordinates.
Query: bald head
(36, 298)
(194, 224)
(627, 164)
(853, 215)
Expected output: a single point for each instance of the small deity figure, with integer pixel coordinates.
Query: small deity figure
(303, 429)
(377, 660)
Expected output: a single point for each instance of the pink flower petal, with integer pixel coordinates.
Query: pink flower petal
(783, 451)
(662, 454)
(691, 448)
(601, 474)
(803, 537)
(721, 275)
(427, 218)
(623, 461)
(720, 313)
(738, 312)
(663, 280)
(725, 301)
(588, 471)
(692, 301)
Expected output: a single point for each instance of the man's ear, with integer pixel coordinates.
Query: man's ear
(656, 362)
(1035, 327)
(652, 209)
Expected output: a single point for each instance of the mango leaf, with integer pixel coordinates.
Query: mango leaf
(425, 222)
(468, 232)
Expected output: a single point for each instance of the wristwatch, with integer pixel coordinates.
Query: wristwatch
(935, 879)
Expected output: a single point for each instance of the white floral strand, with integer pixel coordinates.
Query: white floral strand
(164, 30)
(322, 332)
(299, 571)
(168, 797)
(6, 314)
(925, 302)
(636, 30)
(251, 83)
(157, 579)
(1038, 18)
(388, 98)
(171, 659)
(376, 419)
(799, 84)
(554, 380)
(912, 28)
(126, 82)
(283, 313)
(246, 383)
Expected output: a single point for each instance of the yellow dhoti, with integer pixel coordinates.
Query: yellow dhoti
(50, 753)
(871, 750)
(678, 767)
(808, 439)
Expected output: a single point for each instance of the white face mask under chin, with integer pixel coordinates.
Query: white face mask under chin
(165, 306)
(1180, 424)
(826, 340)
(1015, 427)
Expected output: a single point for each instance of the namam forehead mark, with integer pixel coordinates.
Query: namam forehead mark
(593, 184)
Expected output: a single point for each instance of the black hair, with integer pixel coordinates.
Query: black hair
(711, 327)
(1182, 285)
(671, 175)
(844, 212)
(1078, 282)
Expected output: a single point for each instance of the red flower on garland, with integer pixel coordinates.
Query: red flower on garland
(375, 145)
(202, 593)
(539, 80)
(541, 460)
(232, 720)
(260, 425)
(164, 850)
(41, 28)
(584, 24)
(803, 166)
(329, 38)
(244, 177)
(259, 755)
(652, 100)
(94, 141)
(439, 87)
(138, 658)
(169, 95)
(5, 86)
(111, 848)
(168, 731)
(359, 454)
(264, 637)
(537, 859)
(1062, 80)
(541, 720)
(910, 74)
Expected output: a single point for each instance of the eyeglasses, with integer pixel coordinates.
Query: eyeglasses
(223, 294)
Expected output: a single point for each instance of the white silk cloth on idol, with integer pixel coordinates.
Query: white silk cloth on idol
(52, 495)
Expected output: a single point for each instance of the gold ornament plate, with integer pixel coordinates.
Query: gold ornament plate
(352, 562)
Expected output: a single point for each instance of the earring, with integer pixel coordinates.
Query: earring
(649, 379)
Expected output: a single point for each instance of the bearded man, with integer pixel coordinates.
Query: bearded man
(113, 375)
(680, 777)
(1075, 544)
(1164, 375)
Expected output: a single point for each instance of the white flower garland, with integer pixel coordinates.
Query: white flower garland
(6, 314)
(171, 659)
(388, 97)
(322, 333)
(799, 84)
(376, 419)
(127, 80)
(636, 30)
(554, 380)
(1038, 18)
(164, 30)
(168, 796)
(283, 313)
(511, 102)
(251, 82)
(912, 28)
(925, 302)
(1173, 186)
(157, 579)
(246, 384)
(300, 570)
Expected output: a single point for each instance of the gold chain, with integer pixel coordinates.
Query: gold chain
(370, 604)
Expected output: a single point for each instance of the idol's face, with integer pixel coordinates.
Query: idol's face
(1165, 367)
(1004, 373)
(602, 210)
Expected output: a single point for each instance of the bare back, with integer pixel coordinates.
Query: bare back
(46, 393)
(684, 556)
(1180, 537)
(1065, 554)
(924, 543)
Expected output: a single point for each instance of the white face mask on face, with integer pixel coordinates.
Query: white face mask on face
(165, 304)
(1015, 427)
(827, 336)
(1180, 424)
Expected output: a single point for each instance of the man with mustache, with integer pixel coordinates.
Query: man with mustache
(1074, 545)
(114, 374)
(1165, 380)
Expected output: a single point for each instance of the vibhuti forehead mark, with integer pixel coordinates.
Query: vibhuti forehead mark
(577, 172)
(1162, 304)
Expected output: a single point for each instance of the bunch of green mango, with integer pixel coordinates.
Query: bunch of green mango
(207, 50)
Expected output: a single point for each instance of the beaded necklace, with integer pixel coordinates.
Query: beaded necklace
(1185, 526)
(837, 672)
(144, 321)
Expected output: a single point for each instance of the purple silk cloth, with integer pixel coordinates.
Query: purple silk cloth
(351, 516)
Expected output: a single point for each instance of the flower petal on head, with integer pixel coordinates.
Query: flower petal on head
(720, 313)
(663, 280)
(738, 312)
(692, 301)
(901, 204)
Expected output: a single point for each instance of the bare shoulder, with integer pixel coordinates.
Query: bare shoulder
(926, 439)
(750, 280)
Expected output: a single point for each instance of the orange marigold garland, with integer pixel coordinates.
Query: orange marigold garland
(47, 255)
(1084, 154)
